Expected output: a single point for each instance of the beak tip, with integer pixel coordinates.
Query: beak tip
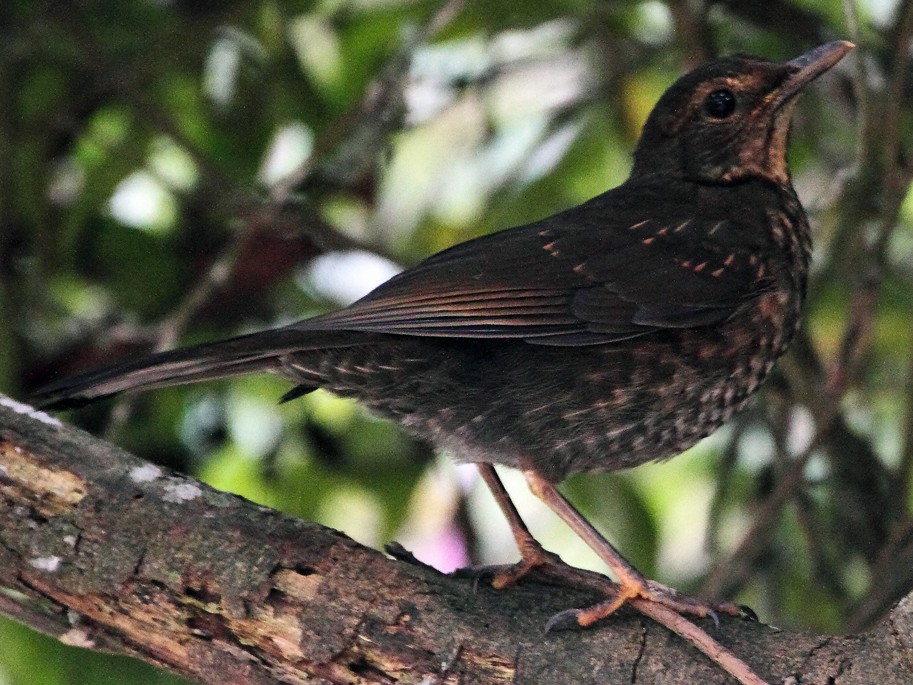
(822, 57)
(843, 46)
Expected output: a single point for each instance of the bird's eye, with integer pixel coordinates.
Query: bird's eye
(720, 104)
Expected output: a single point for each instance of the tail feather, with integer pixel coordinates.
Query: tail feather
(246, 354)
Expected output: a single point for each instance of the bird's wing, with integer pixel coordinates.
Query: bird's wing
(563, 282)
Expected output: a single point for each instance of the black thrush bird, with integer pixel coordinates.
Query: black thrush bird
(614, 333)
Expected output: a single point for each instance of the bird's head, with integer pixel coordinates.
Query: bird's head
(729, 119)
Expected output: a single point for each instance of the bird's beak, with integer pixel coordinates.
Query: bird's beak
(768, 157)
(806, 68)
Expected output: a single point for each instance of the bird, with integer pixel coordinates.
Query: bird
(617, 332)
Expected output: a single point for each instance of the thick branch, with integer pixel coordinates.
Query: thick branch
(107, 552)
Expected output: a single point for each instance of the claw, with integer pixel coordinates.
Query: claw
(563, 620)
(748, 613)
(476, 574)
(716, 618)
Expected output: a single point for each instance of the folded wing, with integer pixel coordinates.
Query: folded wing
(569, 284)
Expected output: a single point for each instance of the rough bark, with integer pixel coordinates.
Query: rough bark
(107, 552)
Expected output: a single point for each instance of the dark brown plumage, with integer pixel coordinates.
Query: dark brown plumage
(616, 332)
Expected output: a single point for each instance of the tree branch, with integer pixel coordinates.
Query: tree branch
(107, 552)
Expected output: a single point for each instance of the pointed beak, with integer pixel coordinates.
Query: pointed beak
(806, 68)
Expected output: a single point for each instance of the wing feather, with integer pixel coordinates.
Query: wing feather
(568, 281)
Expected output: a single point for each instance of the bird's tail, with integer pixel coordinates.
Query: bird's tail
(256, 352)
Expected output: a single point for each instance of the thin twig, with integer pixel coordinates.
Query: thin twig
(904, 474)
(698, 637)
(666, 617)
(725, 471)
(893, 569)
(737, 565)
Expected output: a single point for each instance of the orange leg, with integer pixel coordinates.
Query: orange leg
(663, 604)
(532, 554)
(630, 585)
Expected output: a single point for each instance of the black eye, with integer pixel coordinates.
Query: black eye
(720, 103)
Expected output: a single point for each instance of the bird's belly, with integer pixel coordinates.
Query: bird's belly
(561, 410)
(605, 415)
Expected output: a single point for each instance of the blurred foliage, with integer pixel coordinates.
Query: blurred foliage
(171, 170)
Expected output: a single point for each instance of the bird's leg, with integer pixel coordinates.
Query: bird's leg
(663, 604)
(631, 584)
(650, 599)
(532, 554)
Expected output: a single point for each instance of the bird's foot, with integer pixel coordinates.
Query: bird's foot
(534, 558)
(637, 592)
(633, 588)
